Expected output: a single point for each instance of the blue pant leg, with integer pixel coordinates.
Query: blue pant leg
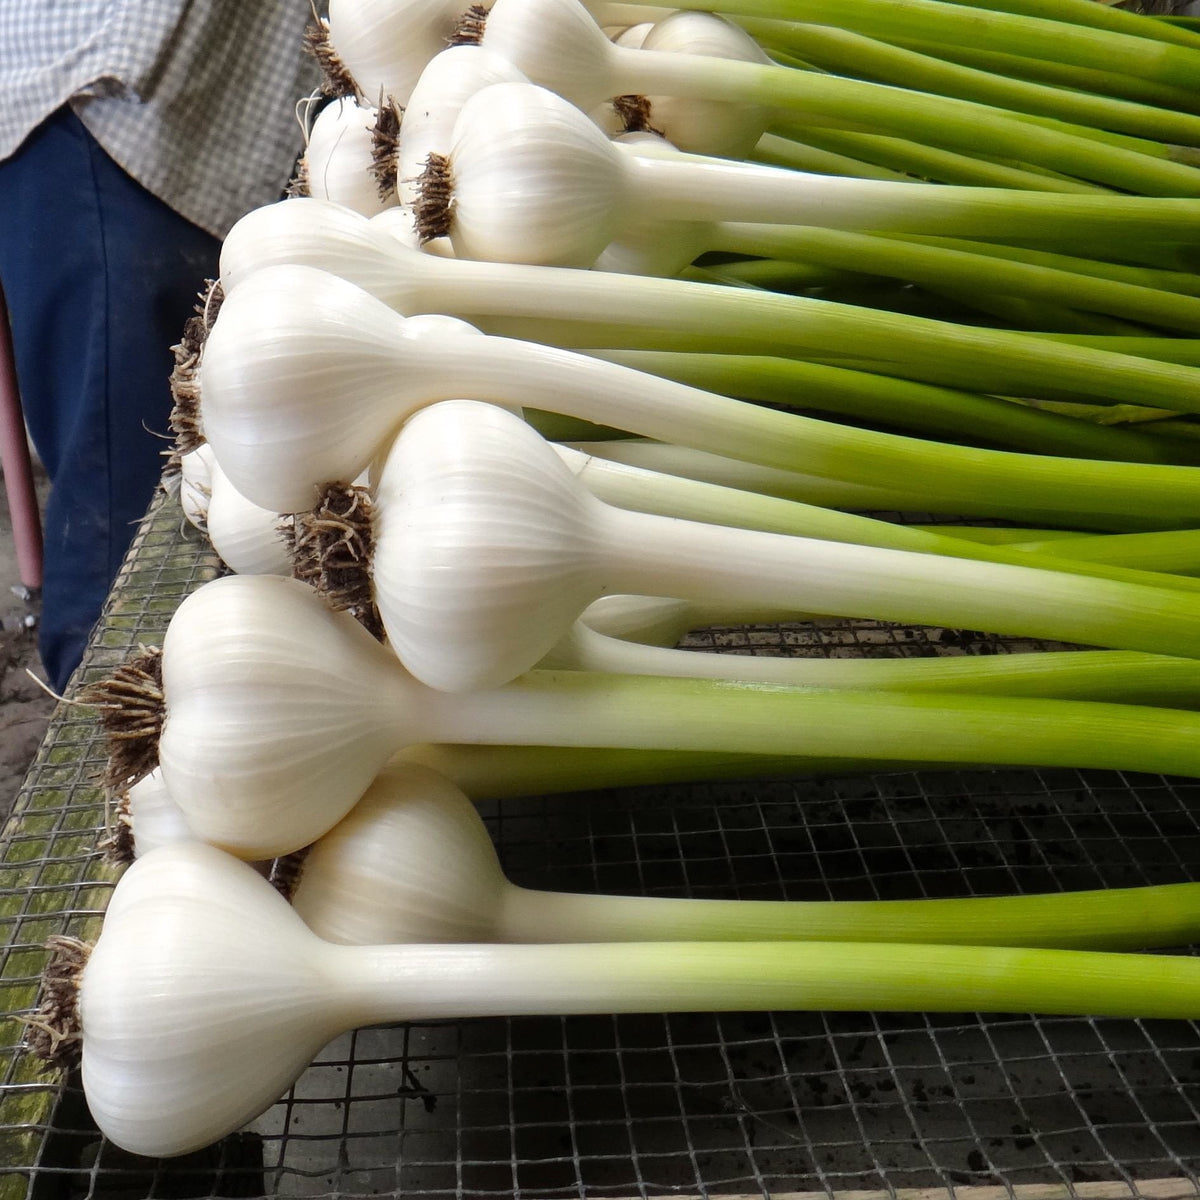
(99, 276)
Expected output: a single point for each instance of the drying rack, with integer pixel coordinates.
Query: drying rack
(974, 1106)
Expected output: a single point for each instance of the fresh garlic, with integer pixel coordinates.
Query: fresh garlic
(206, 996)
(338, 159)
(276, 714)
(557, 44)
(706, 126)
(487, 549)
(249, 540)
(306, 378)
(523, 157)
(151, 818)
(414, 862)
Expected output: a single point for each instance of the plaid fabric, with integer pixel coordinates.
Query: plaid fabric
(193, 98)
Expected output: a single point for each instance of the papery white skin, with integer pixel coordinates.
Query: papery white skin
(397, 222)
(249, 539)
(557, 44)
(411, 862)
(339, 154)
(448, 80)
(258, 761)
(706, 126)
(155, 819)
(385, 44)
(658, 246)
(632, 36)
(401, 224)
(195, 484)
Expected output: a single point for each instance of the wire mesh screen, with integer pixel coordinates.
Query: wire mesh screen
(756, 1104)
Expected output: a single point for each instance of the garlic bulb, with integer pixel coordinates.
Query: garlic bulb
(631, 36)
(249, 539)
(447, 81)
(276, 713)
(195, 484)
(558, 45)
(339, 156)
(411, 862)
(201, 1002)
(527, 169)
(385, 44)
(706, 126)
(151, 818)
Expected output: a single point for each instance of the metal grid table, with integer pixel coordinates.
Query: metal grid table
(694, 1104)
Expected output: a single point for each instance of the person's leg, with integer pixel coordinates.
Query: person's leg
(100, 277)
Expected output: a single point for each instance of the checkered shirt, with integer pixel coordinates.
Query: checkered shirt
(193, 98)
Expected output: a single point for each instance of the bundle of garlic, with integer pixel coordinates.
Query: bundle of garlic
(270, 721)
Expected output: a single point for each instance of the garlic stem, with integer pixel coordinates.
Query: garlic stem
(613, 475)
(1111, 81)
(936, 265)
(1113, 676)
(205, 995)
(414, 862)
(616, 472)
(1007, 32)
(1175, 550)
(502, 772)
(1083, 12)
(924, 408)
(799, 145)
(846, 52)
